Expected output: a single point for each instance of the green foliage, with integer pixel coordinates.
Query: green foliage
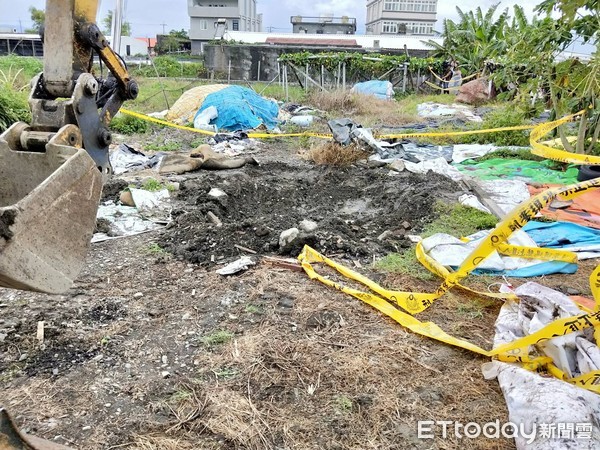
(355, 62)
(168, 66)
(505, 116)
(13, 107)
(504, 153)
(155, 249)
(168, 146)
(454, 219)
(128, 125)
(26, 66)
(343, 403)
(152, 185)
(217, 338)
(107, 22)
(38, 17)
(458, 220)
(173, 42)
(405, 262)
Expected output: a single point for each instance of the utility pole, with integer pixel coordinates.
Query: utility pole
(163, 25)
(117, 24)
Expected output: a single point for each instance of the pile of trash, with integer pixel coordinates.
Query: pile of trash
(219, 107)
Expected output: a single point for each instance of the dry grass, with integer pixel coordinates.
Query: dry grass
(334, 154)
(367, 110)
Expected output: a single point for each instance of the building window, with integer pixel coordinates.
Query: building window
(235, 25)
(410, 5)
(390, 27)
(204, 24)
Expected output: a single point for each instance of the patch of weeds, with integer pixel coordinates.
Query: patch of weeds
(505, 153)
(128, 125)
(197, 142)
(152, 185)
(105, 341)
(405, 262)
(164, 147)
(458, 220)
(217, 338)
(225, 372)
(180, 396)
(304, 141)
(343, 404)
(7, 375)
(155, 249)
(253, 309)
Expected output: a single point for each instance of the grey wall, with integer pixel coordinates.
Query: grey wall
(245, 58)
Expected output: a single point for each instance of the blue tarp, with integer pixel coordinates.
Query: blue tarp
(378, 88)
(557, 235)
(241, 108)
(562, 235)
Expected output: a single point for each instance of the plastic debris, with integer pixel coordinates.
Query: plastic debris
(237, 266)
(377, 88)
(127, 159)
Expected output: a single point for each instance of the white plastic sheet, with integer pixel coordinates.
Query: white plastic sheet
(536, 401)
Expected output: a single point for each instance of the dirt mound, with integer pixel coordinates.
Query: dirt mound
(358, 212)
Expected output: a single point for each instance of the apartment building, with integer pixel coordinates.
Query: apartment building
(413, 17)
(324, 24)
(239, 15)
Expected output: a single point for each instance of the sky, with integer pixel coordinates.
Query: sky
(150, 17)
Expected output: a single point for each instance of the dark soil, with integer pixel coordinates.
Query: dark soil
(353, 207)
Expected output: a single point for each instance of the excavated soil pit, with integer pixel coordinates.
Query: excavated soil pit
(359, 212)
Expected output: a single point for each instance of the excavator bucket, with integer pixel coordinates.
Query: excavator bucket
(48, 206)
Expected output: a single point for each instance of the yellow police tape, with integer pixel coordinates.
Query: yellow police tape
(518, 351)
(324, 135)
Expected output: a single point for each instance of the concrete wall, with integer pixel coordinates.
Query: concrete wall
(244, 59)
(324, 28)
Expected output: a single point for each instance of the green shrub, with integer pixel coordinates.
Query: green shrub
(27, 65)
(167, 66)
(128, 125)
(13, 107)
(508, 115)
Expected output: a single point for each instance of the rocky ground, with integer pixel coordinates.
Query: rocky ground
(151, 349)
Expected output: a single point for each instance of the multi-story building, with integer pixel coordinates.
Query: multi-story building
(238, 15)
(401, 16)
(324, 24)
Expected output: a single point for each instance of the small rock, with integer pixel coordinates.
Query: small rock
(216, 193)
(165, 359)
(138, 295)
(23, 357)
(397, 165)
(55, 371)
(308, 225)
(126, 198)
(3, 337)
(186, 316)
(287, 237)
(383, 236)
(86, 428)
(165, 374)
(406, 225)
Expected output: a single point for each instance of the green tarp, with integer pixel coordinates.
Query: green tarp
(528, 171)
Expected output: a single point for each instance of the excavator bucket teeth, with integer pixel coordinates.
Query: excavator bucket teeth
(48, 206)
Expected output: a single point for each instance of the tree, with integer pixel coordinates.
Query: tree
(38, 17)
(107, 21)
(174, 42)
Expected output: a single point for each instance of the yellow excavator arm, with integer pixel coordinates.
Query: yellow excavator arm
(52, 170)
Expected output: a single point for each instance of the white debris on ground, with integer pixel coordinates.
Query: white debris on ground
(432, 110)
(535, 401)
